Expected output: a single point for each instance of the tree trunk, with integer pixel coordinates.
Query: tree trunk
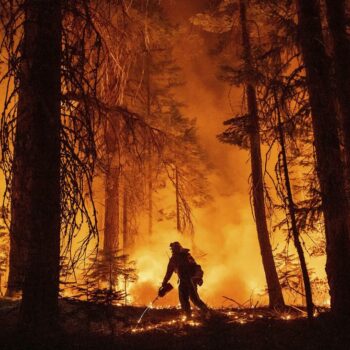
(150, 168)
(150, 192)
(111, 229)
(40, 89)
(126, 233)
(274, 287)
(112, 181)
(337, 26)
(329, 164)
(291, 210)
(177, 195)
(20, 195)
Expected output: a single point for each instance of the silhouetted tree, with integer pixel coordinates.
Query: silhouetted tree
(275, 292)
(112, 185)
(337, 22)
(245, 131)
(4, 250)
(20, 209)
(76, 139)
(40, 100)
(279, 88)
(292, 211)
(151, 94)
(329, 164)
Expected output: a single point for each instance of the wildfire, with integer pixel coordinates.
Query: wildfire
(182, 322)
(327, 303)
(233, 316)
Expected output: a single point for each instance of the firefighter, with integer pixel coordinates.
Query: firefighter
(190, 275)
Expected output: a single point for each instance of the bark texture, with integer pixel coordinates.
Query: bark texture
(40, 88)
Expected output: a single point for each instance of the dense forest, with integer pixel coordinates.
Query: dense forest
(221, 126)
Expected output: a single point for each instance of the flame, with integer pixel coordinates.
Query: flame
(225, 229)
(166, 324)
(225, 269)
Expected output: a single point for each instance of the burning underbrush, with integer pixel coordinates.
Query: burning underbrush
(121, 320)
(86, 325)
(80, 316)
(163, 322)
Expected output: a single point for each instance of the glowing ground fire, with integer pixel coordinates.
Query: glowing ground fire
(231, 316)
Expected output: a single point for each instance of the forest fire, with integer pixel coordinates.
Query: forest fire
(163, 325)
(233, 316)
(175, 167)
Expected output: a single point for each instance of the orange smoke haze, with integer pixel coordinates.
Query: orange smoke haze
(224, 230)
(225, 234)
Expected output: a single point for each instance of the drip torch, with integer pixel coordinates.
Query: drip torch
(163, 290)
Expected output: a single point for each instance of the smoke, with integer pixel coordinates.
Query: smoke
(225, 229)
(226, 243)
(225, 234)
(227, 252)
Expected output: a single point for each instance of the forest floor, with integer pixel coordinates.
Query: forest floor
(90, 326)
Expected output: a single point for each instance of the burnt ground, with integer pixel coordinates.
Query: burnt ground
(90, 326)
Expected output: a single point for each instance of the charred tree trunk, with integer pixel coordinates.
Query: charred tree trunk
(40, 90)
(329, 164)
(274, 287)
(291, 210)
(150, 193)
(20, 196)
(111, 227)
(150, 168)
(126, 232)
(337, 26)
(177, 194)
(112, 184)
